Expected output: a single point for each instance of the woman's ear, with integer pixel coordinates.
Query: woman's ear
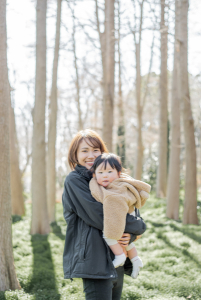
(94, 175)
(119, 173)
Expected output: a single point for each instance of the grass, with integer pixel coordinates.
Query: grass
(170, 252)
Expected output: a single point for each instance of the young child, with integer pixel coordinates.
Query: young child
(120, 194)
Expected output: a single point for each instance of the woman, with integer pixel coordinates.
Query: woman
(86, 255)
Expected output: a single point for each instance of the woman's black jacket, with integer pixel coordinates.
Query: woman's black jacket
(86, 255)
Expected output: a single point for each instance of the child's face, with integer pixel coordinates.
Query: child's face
(106, 175)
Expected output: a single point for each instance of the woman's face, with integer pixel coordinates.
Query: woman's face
(86, 154)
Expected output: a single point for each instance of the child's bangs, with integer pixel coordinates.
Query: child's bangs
(111, 161)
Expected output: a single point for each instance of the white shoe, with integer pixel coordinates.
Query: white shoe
(119, 260)
(137, 264)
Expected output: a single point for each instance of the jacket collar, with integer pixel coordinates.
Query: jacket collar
(86, 174)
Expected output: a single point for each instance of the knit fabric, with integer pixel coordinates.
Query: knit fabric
(119, 198)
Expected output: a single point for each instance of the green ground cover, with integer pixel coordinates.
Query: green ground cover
(171, 253)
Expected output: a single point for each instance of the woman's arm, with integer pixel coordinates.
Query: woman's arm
(78, 199)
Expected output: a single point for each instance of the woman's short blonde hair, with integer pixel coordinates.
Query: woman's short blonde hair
(89, 136)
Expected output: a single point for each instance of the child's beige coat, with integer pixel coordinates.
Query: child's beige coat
(119, 198)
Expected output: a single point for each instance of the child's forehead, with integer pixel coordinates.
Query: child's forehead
(102, 166)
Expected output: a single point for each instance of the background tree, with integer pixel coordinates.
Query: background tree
(190, 200)
(16, 183)
(137, 35)
(174, 163)
(163, 119)
(8, 279)
(121, 150)
(107, 42)
(77, 79)
(40, 223)
(51, 171)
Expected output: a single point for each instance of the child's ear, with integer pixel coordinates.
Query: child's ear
(119, 173)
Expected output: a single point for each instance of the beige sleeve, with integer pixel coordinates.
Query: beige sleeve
(96, 190)
(115, 209)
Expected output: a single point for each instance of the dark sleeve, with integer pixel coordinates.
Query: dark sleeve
(87, 208)
(134, 236)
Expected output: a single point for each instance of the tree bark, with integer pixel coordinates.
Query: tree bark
(51, 171)
(163, 127)
(108, 74)
(40, 222)
(8, 279)
(121, 150)
(172, 211)
(190, 200)
(16, 183)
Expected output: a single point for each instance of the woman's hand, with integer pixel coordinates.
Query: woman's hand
(137, 238)
(124, 240)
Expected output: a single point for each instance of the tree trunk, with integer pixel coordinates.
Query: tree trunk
(108, 73)
(77, 81)
(190, 200)
(8, 279)
(121, 150)
(172, 211)
(40, 223)
(139, 154)
(163, 127)
(16, 183)
(51, 172)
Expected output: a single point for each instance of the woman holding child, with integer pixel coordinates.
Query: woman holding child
(87, 254)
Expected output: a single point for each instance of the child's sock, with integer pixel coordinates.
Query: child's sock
(137, 264)
(119, 260)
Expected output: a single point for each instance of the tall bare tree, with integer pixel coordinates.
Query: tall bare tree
(174, 163)
(121, 151)
(40, 222)
(190, 201)
(8, 279)
(138, 80)
(163, 123)
(51, 172)
(77, 79)
(16, 183)
(107, 42)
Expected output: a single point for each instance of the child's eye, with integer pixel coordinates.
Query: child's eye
(110, 172)
(96, 150)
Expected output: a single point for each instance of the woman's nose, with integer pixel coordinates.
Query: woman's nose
(91, 154)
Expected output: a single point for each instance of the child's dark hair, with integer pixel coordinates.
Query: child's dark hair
(112, 159)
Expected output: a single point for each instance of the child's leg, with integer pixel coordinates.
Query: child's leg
(131, 250)
(120, 257)
(135, 259)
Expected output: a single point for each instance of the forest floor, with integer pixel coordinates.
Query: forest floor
(170, 251)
